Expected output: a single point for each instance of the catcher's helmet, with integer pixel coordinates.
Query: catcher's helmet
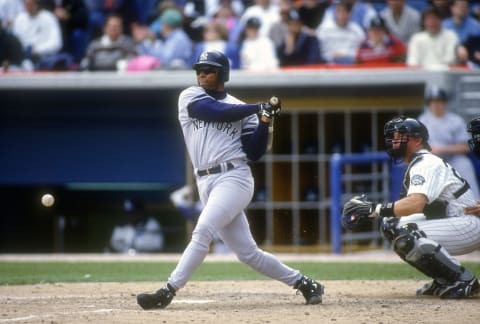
(405, 126)
(473, 128)
(216, 59)
(435, 93)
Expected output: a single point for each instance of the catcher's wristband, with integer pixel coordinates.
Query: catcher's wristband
(385, 209)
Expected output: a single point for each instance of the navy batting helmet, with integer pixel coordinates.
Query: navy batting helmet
(216, 59)
(435, 93)
(404, 126)
(473, 128)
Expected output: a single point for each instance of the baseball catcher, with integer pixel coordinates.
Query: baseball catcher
(431, 221)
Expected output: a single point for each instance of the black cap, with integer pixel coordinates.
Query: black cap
(253, 22)
(435, 93)
(378, 22)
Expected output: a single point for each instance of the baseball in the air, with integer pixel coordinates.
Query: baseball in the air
(48, 200)
(274, 101)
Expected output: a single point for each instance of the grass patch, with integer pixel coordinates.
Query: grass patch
(22, 273)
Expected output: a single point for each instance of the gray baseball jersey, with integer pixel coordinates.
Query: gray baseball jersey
(438, 181)
(211, 143)
(224, 194)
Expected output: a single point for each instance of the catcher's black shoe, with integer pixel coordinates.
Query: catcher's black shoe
(310, 289)
(460, 289)
(431, 288)
(161, 299)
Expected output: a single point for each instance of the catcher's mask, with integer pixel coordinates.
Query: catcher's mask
(217, 60)
(473, 128)
(406, 127)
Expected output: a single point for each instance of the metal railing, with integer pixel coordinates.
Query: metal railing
(386, 183)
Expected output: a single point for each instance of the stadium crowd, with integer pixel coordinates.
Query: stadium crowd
(142, 35)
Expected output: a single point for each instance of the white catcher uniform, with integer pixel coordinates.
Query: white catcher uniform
(429, 175)
(224, 195)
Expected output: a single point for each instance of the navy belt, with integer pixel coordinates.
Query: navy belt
(215, 169)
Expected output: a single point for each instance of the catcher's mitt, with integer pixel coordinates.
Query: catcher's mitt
(356, 212)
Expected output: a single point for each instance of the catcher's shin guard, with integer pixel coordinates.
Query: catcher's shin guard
(310, 289)
(160, 299)
(413, 246)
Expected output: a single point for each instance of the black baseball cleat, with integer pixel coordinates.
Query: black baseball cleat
(310, 289)
(160, 299)
(431, 288)
(460, 289)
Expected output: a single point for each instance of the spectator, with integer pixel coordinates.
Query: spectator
(361, 13)
(174, 49)
(38, 31)
(461, 22)
(11, 51)
(442, 6)
(138, 232)
(197, 13)
(448, 135)
(401, 19)
(470, 52)
(215, 38)
(99, 10)
(112, 50)
(73, 18)
(340, 38)
(9, 10)
(311, 12)
(380, 46)
(279, 29)
(257, 52)
(298, 47)
(266, 11)
(434, 47)
(142, 31)
(225, 15)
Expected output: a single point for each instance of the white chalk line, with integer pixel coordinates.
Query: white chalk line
(85, 312)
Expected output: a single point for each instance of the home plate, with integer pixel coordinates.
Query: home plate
(192, 301)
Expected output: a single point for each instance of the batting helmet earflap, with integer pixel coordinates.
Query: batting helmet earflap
(216, 59)
(473, 128)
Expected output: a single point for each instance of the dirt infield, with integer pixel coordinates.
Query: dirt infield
(232, 302)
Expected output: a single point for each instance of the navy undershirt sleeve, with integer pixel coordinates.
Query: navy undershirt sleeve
(255, 144)
(209, 109)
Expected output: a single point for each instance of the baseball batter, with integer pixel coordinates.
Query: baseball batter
(221, 134)
(429, 223)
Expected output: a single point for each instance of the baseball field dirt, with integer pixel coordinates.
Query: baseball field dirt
(256, 301)
(356, 301)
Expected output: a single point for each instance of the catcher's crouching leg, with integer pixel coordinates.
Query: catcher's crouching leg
(450, 280)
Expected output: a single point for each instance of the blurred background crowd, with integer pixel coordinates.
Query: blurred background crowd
(142, 35)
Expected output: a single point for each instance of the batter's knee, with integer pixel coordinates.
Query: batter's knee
(202, 235)
(251, 257)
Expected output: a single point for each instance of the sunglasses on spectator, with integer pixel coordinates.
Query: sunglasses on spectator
(206, 70)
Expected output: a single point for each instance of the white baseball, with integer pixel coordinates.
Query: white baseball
(48, 200)
(274, 101)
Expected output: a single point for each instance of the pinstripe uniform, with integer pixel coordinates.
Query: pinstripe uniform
(429, 175)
